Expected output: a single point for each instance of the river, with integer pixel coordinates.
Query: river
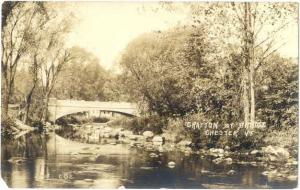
(134, 170)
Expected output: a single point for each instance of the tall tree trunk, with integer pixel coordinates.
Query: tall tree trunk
(245, 84)
(34, 81)
(6, 97)
(251, 69)
(44, 116)
(28, 104)
(248, 52)
(252, 97)
(245, 97)
(5, 103)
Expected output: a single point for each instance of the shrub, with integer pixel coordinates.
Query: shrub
(198, 136)
(6, 130)
(175, 131)
(100, 119)
(242, 141)
(286, 137)
(138, 125)
(37, 124)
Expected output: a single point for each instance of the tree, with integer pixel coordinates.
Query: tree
(256, 29)
(277, 93)
(83, 78)
(18, 27)
(50, 71)
(162, 68)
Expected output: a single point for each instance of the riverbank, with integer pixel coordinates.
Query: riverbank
(279, 164)
(96, 150)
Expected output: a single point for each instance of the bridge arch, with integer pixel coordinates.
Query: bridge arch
(60, 108)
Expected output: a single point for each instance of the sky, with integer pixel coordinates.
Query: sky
(105, 28)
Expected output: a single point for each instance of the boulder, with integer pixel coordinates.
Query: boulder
(184, 143)
(231, 172)
(271, 174)
(265, 173)
(292, 177)
(216, 152)
(205, 171)
(88, 180)
(161, 149)
(227, 148)
(149, 147)
(226, 153)
(153, 155)
(148, 134)
(275, 153)
(228, 161)
(171, 164)
(218, 160)
(256, 153)
(157, 140)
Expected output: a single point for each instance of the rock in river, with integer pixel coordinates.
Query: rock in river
(231, 172)
(157, 140)
(216, 152)
(228, 161)
(217, 160)
(275, 153)
(148, 134)
(292, 177)
(227, 148)
(88, 180)
(153, 155)
(184, 143)
(256, 153)
(171, 164)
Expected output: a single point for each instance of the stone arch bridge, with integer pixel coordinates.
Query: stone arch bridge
(60, 108)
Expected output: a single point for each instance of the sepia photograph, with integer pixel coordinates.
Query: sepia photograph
(149, 95)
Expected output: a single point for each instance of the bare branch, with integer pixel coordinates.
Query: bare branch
(271, 35)
(236, 12)
(265, 57)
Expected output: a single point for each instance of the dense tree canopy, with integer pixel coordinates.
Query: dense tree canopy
(162, 68)
(83, 78)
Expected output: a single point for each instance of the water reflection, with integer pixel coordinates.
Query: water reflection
(133, 170)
